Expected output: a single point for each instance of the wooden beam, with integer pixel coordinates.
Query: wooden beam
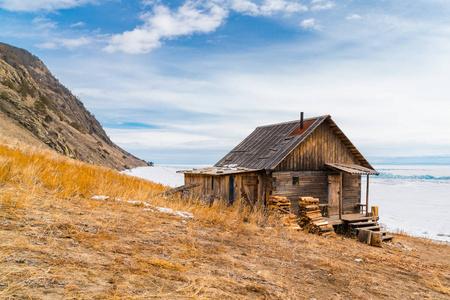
(179, 189)
(340, 195)
(367, 197)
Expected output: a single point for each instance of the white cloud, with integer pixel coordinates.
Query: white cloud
(78, 24)
(353, 17)
(70, 44)
(266, 7)
(274, 6)
(46, 45)
(39, 5)
(310, 24)
(193, 17)
(73, 44)
(164, 24)
(146, 3)
(245, 7)
(324, 6)
(43, 23)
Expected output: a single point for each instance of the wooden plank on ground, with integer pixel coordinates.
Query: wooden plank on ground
(180, 189)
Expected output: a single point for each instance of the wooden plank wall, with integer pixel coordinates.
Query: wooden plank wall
(315, 184)
(320, 147)
(221, 186)
(310, 184)
(205, 183)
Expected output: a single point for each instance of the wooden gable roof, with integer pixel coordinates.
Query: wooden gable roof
(269, 145)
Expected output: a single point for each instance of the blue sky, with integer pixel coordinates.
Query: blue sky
(185, 81)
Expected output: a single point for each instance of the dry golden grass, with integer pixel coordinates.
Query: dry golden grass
(58, 243)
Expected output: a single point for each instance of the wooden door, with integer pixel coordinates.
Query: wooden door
(334, 182)
(250, 186)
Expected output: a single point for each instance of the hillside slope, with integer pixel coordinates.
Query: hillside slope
(33, 101)
(58, 242)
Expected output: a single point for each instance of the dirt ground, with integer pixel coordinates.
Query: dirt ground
(105, 251)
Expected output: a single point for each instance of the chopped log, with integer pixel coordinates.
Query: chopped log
(376, 239)
(314, 212)
(311, 207)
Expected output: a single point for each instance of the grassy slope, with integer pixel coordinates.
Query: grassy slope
(56, 242)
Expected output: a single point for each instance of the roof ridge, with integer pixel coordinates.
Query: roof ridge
(295, 121)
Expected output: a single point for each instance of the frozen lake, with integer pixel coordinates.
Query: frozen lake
(413, 199)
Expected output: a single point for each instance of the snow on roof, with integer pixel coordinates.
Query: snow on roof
(224, 170)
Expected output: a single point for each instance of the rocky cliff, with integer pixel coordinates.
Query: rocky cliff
(36, 108)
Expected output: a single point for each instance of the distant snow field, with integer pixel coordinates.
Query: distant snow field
(165, 174)
(413, 199)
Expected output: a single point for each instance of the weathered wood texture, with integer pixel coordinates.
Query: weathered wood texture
(351, 193)
(334, 182)
(309, 184)
(249, 185)
(316, 184)
(320, 147)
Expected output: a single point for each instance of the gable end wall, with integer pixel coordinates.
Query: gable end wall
(320, 147)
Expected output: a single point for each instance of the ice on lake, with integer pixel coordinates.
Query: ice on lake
(414, 199)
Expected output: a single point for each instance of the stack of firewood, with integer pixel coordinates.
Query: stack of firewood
(279, 204)
(290, 220)
(282, 206)
(311, 218)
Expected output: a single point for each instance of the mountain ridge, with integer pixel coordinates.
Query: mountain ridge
(35, 101)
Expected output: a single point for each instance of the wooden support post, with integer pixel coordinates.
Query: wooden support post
(367, 197)
(340, 196)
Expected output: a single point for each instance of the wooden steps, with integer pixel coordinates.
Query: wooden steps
(358, 224)
(387, 237)
(357, 219)
(372, 228)
(368, 231)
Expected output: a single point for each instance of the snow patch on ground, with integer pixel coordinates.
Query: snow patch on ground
(152, 208)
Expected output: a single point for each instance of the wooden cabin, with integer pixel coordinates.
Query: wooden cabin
(307, 158)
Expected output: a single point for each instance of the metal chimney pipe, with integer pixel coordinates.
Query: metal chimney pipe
(301, 120)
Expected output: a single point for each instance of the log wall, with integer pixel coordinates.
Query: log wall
(315, 184)
(252, 183)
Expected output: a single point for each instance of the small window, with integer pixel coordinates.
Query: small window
(212, 183)
(294, 180)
